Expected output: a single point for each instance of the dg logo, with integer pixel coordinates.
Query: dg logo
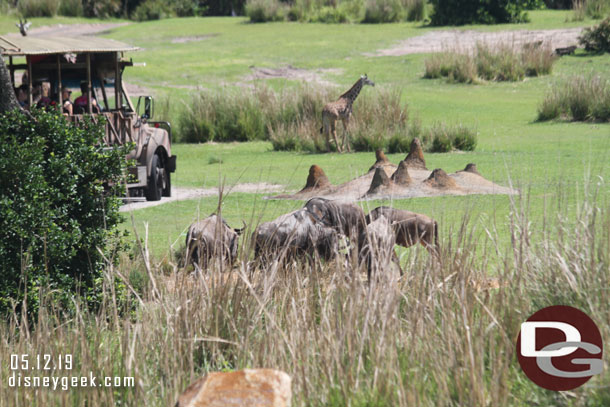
(560, 348)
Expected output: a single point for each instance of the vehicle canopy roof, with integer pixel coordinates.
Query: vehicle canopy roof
(16, 45)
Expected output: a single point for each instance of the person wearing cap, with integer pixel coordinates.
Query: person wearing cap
(68, 107)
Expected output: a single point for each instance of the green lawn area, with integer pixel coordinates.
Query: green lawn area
(542, 159)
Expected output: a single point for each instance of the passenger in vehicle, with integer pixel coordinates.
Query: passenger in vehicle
(68, 107)
(80, 103)
(22, 96)
(45, 101)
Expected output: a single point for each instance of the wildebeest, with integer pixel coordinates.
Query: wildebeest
(409, 227)
(294, 234)
(376, 244)
(211, 238)
(346, 218)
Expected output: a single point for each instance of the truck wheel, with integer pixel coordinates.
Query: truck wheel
(167, 185)
(155, 181)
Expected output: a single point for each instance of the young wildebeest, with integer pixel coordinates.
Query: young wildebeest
(211, 238)
(409, 227)
(291, 235)
(376, 243)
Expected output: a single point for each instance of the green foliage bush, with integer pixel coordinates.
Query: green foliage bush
(57, 208)
(38, 8)
(597, 39)
(580, 98)
(261, 11)
(102, 8)
(461, 12)
(152, 10)
(337, 11)
(71, 8)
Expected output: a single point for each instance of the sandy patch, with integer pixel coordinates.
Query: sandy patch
(183, 40)
(72, 30)
(438, 41)
(291, 72)
(182, 194)
(418, 183)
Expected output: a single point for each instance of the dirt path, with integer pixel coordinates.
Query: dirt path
(438, 41)
(73, 30)
(182, 194)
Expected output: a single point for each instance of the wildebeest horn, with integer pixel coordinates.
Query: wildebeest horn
(239, 231)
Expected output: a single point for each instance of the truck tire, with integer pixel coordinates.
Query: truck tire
(167, 189)
(154, 190)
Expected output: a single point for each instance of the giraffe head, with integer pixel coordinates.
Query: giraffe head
(366, 81)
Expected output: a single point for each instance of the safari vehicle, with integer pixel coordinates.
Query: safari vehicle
(53, 63)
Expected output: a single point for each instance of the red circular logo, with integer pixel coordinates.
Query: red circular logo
(560, 348)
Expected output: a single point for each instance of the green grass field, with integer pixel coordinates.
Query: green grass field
(536, 157)
(432, 338)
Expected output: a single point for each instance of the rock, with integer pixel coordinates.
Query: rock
(471, 168)
(243, 388)
(415, 158)
(401, 175)
(380, 181)
(440, 179)
(381, 160)
(316, 179)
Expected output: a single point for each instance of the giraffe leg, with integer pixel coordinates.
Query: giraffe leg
(345, 135)
(326, 129)
(333, 128)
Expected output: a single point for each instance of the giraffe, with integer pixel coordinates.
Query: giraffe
(341, 109)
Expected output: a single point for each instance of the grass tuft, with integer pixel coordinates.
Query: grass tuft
(500, 63)
(579, 98)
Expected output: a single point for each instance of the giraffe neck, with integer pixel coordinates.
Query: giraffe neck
(354, 91)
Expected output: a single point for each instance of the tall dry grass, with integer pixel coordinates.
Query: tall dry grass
(443, 335)
(502, 62)
(579, 98)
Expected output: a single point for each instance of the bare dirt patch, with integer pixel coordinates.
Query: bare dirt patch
(195, 38)
(183, 194)
(291, 72)
(388, 181)
(439, 41)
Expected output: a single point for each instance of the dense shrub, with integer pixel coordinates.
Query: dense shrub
(597, 8)
(38, 8)
(501, 63)
(337, 11)
(261, 11)
(102, 8)
(382, 11)
(582, 97)
(445, 138)
(460, 12)
(597, 38)
(152, 10)
(56, 213)
(71, 8)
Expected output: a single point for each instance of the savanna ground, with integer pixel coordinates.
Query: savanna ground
(432, 339)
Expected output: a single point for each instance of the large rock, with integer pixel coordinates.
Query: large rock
(244, 388)
(472, 168)
(380, 160)
(415, 158)
(316, 179)
(440, 179)
(401, 175)
(380, 182)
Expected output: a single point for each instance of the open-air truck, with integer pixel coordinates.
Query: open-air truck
(68, 62)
